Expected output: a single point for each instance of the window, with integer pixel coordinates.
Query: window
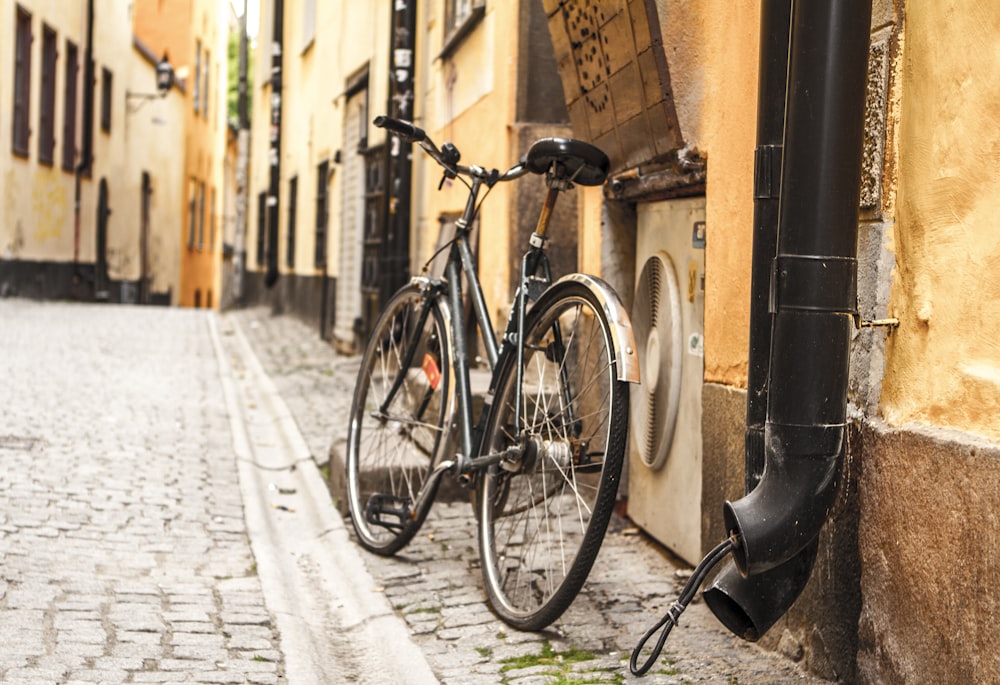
(456, 12)
(201, 215)
(308, 24)
(47, 114)
(197, 74)
(204, 90)
(460, 17)
(192, 210)
(261, 226)
(212, 225)
(106, 79)
(69, 108)
(22, 83)
(321, 213)
(293, 191)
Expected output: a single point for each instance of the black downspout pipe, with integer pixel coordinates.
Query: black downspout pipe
(813, 299)
(274, 186)
(813, 290)
(394, 257)
(775, 25)
(750, 606)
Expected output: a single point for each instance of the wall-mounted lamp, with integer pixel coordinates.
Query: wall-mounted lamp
(164, 81)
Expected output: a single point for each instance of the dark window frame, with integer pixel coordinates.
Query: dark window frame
(459, 24)
(197, 74)
(212, 214)
(69, 106)
(322, 212)
(107, 91)
(21, 124)
(47, 97)
(206, 67)
(192, 207)
(261, 226)
(201, 215)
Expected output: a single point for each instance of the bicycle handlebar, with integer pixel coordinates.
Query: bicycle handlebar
(403, 129)
(447, 158)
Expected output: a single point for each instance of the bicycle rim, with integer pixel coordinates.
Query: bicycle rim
(398, 420)
(542, 520)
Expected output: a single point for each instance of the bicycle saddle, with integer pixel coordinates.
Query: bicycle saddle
(579, 162)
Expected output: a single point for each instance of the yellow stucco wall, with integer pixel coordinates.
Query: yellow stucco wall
(712, 49)
(468, 99)
(315, 77)
(159, 119)
(943, 363)
(36, 201)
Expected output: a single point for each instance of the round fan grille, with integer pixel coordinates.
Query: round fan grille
(656, 322)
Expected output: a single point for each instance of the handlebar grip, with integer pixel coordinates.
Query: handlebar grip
(404, 129)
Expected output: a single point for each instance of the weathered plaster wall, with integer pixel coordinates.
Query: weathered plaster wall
(36, 201)
(930, 546)
(712, 51)
(943, 364)
(470, 101)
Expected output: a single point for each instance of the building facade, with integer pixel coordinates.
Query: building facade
(86, 208)
(344, 235)
(903, 582)
(194, 33)
(104, 184)
(671, 91)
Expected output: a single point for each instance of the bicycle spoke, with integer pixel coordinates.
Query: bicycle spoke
(398, 422)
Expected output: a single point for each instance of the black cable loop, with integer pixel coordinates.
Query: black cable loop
(673, 615)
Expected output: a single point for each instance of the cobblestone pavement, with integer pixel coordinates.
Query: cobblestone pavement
(123, 550)
(435, 586)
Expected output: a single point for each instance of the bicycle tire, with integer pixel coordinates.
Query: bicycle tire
(391, 453)
(542, 524)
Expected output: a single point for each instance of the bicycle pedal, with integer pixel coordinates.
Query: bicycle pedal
(388, 511)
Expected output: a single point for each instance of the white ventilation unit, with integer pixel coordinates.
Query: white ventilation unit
(658, 329)
(668, 319)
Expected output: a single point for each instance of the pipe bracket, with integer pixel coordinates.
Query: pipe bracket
(823, 284)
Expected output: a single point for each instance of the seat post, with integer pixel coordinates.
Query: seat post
(546, 214)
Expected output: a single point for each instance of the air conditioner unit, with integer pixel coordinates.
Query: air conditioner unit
(664, 491)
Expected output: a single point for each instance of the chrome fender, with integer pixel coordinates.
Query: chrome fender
(622, 336)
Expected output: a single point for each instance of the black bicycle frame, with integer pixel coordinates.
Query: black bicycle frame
(461, 261)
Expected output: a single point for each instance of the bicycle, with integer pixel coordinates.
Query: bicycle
(543, 458)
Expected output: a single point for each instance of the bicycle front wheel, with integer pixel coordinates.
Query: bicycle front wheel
(399, 418)
(542, 517)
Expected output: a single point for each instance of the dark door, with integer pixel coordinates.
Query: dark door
(144, 275)
(373, 240)
(101, 259)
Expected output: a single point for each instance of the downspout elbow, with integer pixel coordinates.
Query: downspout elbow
(787, 509)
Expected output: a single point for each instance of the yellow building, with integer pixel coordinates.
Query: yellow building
(98, 182)
(671, 91)
(193, 33)
(911, 540)
(470, 85)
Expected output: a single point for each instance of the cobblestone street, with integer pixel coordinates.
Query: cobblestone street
(435, 583)
(124, 547)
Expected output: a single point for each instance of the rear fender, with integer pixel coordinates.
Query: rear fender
(622, 336)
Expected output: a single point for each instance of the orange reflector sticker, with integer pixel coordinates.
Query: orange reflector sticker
(432, 371)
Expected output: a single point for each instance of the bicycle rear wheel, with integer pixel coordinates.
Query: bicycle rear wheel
(399, 417)
(543, 518)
